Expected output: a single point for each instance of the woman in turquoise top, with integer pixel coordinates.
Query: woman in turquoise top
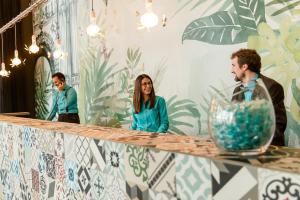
(149, 111)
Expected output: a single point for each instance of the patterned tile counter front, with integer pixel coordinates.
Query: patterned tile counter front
(48, 160)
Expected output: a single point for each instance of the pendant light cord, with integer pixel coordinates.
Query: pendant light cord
(92, 5)
(15, 36)
(2, 53)
(57, 22)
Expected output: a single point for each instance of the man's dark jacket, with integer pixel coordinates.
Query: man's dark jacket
(277, 95)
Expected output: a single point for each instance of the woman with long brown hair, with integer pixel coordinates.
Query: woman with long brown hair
(149, 111)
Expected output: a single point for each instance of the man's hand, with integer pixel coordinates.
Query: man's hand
(61, 86)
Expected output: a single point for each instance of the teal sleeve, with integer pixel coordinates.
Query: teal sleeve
(163, 117)
(54, 108)
(71, 98)
(134, 122)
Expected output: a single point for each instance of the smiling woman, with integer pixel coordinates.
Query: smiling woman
(149, 111)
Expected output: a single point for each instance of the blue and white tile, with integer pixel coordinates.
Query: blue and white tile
(71, 168)
(227, 177)
(115, 159)
(193, 177)
(27, 137)
(98, 185)
(278, 185)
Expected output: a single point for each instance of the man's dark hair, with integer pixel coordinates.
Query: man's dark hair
(249, 57)
(60, 76)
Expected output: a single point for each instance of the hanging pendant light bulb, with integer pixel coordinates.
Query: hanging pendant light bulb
(93, 29)
(16, 60)
(33, 48)
(58, 53)
(149, 19)
(3, 71)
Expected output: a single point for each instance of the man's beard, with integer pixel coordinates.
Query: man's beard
(237, 79)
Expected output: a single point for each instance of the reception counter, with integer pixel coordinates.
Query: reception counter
(51, 160)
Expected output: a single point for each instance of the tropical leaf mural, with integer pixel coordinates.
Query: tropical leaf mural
(193, 4)
(43, 88)
(127, 77)
(99, 99)
(281, 60)
(179, 111)
(226, 27)
(285, 6)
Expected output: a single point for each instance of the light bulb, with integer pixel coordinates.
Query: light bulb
(16, 60)
(93, 29)
(149, 19)
(33, 47)
(58, 53)
(3, 71)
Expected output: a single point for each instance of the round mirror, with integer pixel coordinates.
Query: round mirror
(43, 88)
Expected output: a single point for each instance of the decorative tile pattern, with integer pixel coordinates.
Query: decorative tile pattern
(84, 180)
(59, 145)
(114, 154)
(33, 170)
(43, 186)
(34, 139)
(34, 158)
(82, 151)
(69, 146)
(277, 185)
(193, 177)
(98, 160)
(46, 142)
(71, 174)
(35, 180)
(115, 188)
(98, 184)
(227, 178)
(137, 165)
(160, 196)
(27, 134)
(162, 172)
(135, 191)
(50, 165)
(59, 169)
(25, 191)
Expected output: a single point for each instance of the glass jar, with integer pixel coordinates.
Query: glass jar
(243, 121)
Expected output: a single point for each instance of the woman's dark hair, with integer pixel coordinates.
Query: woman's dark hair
(60, 76)
(249, 57)
(138, 96)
